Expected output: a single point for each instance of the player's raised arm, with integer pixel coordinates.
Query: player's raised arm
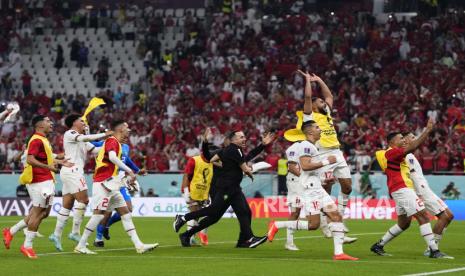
(327, 95)
(420, 140)
(93, 137)
(307, 93)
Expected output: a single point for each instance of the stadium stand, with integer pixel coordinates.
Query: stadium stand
(173, 72)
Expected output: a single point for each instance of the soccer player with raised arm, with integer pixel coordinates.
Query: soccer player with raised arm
(76, 145)
(433, 203)
(319, 110)
(106, 193)
(315, 198)
(408, 204)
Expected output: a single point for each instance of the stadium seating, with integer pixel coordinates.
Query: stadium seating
(357, 69)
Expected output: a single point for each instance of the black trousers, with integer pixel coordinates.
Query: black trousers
(282, 186)
(220, 204)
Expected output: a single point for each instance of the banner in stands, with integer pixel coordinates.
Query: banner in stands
(269, 207)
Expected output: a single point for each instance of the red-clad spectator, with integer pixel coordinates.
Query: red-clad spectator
(427, 160)
(272, 159)
(442, 160)
(26, 79)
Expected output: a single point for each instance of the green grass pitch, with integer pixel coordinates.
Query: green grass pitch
(222, 258)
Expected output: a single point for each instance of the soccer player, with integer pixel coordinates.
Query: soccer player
(433, 203)
(195, 188)
(103, 229)
(294, 191)
(315, 198)
(408, 204)
(76, 146)
(106, 190)
(39, 177)
(319, 110)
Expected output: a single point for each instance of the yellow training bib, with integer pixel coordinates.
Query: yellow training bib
(404, 168)
(27, 176)
(100, 158)
(328, 137)
(201, 180)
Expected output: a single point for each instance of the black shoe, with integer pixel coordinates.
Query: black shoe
(439, 255)
(99, 244)
(178, 223)
(185, 240)
(242, 244)
(256, 241)
(106, 233)
(378, 249)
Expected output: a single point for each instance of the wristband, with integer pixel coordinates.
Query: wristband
(325, 162)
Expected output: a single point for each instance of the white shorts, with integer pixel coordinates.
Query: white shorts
(294, 194)
(339, 169)
(73, 182)
(41, 193)
(433, 203)
(315, 200)
(407, 202)
(107, 199)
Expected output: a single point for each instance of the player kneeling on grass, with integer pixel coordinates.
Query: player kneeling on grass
(315, 198)
(106, 190)
(408, 204)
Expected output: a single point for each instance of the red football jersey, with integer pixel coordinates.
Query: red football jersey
(36, 148)
(108, 170)
(395, 180)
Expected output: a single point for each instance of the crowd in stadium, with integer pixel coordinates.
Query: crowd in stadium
(235, 69)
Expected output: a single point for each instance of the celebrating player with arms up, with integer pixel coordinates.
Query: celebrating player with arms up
(315, 198)
(408, 204)
(106, 190)
(76, 146)
(433, 203)
(319, 110)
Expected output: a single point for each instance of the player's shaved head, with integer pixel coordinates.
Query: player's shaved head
(117, 123)
(307, 125)
(42, 123)
(311, 130)
(37, 119)
(395, 139)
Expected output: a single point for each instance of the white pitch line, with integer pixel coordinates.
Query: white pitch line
(221, 242)
(437, 272)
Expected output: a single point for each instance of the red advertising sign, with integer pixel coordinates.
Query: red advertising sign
(358, 208)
